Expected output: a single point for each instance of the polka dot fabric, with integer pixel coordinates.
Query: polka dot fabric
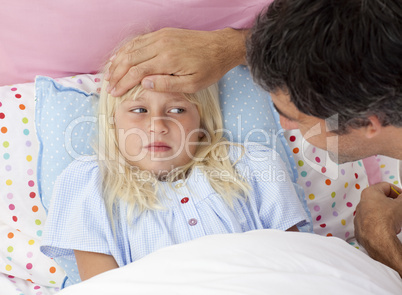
(23, 268)
(389, 169)
(249, 116)
(64, 124)
(332, 190)
(11, 285)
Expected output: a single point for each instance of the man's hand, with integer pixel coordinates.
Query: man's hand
(176, 60)
(377, 222)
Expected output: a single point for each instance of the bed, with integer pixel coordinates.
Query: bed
(45, 123)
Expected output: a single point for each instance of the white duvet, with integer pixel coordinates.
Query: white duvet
(257, 262)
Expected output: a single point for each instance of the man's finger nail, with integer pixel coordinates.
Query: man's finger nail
(148, 84)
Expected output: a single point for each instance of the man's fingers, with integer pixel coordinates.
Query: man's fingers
(396, 190)
(130, 64)
(133, 53)
(387, 189)
(114, 63)
(390, 190)
(194, 57)
(133, 77)
(146, 48)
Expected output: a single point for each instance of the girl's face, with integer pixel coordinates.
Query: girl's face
(158, 131)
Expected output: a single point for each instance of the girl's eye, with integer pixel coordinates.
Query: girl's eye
(139, 110)
(176, 111)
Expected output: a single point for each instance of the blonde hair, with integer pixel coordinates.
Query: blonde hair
(139, 189)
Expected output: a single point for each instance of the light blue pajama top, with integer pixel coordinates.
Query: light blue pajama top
(78, 219)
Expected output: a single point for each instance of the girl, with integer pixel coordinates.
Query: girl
(164, 174)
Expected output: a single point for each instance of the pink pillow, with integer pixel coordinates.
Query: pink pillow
(62, 38)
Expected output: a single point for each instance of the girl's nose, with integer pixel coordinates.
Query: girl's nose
(159, 125)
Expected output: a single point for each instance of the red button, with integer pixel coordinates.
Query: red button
(184, 200)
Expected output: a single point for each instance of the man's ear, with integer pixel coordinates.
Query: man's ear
(374, 127)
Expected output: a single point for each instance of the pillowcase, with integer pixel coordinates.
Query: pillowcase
(382, 168)
(22, 216)
(332, 191)
(65, 120)
(390, 169)
(56, 34)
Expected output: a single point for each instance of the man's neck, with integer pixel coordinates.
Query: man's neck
(392, 142)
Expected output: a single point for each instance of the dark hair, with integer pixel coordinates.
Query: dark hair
(334, 57)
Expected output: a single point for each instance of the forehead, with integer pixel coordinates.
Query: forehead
(141, 94)
(284, 106)
(288, 110)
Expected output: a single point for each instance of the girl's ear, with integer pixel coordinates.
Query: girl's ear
(201, 134)
(374, 128)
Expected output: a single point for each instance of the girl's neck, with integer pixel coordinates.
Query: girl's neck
(174, 176)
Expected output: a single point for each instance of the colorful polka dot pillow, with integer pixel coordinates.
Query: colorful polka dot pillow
(382, 168)
(333, 191)
(23, 268)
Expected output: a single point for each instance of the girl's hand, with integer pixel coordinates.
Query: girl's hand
(176, 60)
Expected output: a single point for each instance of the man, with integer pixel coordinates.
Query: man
(336, 67)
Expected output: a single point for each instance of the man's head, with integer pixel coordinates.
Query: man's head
(338, 60)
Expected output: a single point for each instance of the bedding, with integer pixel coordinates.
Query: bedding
(55, 43)
(279, 263)
(24, 270)
(333, 191)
